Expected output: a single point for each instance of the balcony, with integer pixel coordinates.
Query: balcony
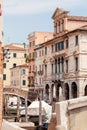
(60, 53)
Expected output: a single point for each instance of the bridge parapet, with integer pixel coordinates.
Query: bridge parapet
(30, 95)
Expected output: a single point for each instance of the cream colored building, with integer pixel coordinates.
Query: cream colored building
(65, 60)
(13, 56)
(19, 77)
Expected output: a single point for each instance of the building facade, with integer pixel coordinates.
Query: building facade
(65, 69)
(35, 38)
(14, 55)
(19, 77)
(64, 59)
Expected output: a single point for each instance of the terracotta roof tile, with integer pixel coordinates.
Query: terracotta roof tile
(12, 47)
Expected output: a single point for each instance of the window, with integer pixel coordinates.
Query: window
(45, 70)
(52, 68)
(42, 52)
(39, 53)
(4, 76)
(14, 65)
(25, 55)
(62, 45)
(14, 55)
(35, 54)
(23, 72)
(45, 50)
(66, 66)
(67, 43)
(76, 40)
(24, 82)
(59, 64)
(55, 66)
(56, 47)
(4, 65)
(52, 49)
(33, 43)
(62, 62)
(30, 44)
(76, 64)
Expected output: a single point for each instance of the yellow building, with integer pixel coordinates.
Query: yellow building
(14, 55)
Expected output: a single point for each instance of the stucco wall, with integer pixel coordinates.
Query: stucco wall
(9, 126)
(72, 114)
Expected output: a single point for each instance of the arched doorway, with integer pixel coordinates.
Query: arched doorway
(74, 90)
(66, 91)
(58, 92)
(47, 91)
(85, 93)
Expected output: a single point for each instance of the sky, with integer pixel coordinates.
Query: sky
(22, 17)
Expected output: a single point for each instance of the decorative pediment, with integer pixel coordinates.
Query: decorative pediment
(58, 11)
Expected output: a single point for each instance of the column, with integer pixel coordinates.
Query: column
(18, 108)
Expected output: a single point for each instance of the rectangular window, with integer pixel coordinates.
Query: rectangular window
(56, 47)
(76, 64)
(45, 70)
(67, 43)
(4, 65)
(52, 68)
(24, 82)
(76, 40)
(45, 50)
(25, 55)
(4, 76)
(62, 45)
(52, 49)
(39, 53)
(66, 66)
(14, 55)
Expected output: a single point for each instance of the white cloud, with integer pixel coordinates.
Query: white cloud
(38, 6)
(28, 6)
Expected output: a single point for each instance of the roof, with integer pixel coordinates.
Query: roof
(13, 47)
(58, 12)
(77, 18)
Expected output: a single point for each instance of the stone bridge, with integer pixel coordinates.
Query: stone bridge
(29, 95)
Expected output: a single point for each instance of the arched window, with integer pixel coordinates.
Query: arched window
(74, 90)
(66, 91)
(85, 90)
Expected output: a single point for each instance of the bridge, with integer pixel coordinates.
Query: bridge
(28, 96)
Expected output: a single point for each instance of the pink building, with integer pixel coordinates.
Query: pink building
(35, 38)
(19, 76)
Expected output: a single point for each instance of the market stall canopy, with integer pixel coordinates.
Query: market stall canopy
(33, 108)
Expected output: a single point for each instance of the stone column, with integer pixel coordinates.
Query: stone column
(18, 108)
